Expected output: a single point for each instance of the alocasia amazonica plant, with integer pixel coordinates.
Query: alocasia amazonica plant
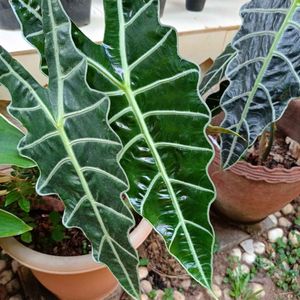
(161, 126)
(75, 149)
(156, 112)
(264, 74)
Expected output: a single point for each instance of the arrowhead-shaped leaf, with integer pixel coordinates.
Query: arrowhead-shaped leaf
(157, 112)
(9, 139)
(264, 75)
(10, 225)
(74, 148)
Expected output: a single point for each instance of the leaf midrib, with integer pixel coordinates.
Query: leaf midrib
(129, 93)
(260, 76)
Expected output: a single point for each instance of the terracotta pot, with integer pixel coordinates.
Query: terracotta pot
(72, 278)
(248, 194)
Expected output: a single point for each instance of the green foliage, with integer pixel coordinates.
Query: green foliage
(9, 139)
(239, 282)
(143, 262)
(168, 294)
(58, 230)
(159, 118)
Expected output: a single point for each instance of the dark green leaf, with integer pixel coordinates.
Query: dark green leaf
(156, 111)
(74, 148)
(26, 237)
(11, 197)
(264, 75)
(24, 204)
(11, 225)
(9, 138)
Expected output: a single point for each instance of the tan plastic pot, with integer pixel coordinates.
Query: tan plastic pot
(248, 194)
(71, 278)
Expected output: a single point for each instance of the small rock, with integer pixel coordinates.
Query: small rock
(178, 296)
(294, 238)
(258, 288)
(16, 297)
(186, 284)
(236, 253)
(146, 286)
(285, 265)
(143, 272)
(15, 266)
(285, 239)
(2, 265)
(218, 279)
(199, 296)
(247, 245)
(259, 248)
(275, 234)
(217, 291)
(144, 297)
(13, 286)
(288, 209)
(277, 214)
(249, 259)
(274, 220)
(159, 295)
(242, 269)
(226, 294)
(6, 276)
(284, 222)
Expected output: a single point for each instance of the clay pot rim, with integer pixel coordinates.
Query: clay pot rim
(261, 173)
(64, 265)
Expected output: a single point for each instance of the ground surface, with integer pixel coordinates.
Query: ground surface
(274, 274)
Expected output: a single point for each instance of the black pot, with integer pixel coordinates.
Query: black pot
(8, 19)
(195, 5)
(78, 10)
(162, 4)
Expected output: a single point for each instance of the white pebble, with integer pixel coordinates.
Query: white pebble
(218, 279)
(247, 245)
(294, 238)
(273, 220)
(186, 284)
(144, 297)
(278, 214)
(159, 295)
(143, 272)
(259, 248)
(275, 234)
(15, 266)
(242, 269)
(248, 258)
(236, 253)
(178, 296)
(285, 265)
(146, 286)
(258, 288)
(284, 222)
(217, 291)
(226, 294)
(6, 276)
(288, 209)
